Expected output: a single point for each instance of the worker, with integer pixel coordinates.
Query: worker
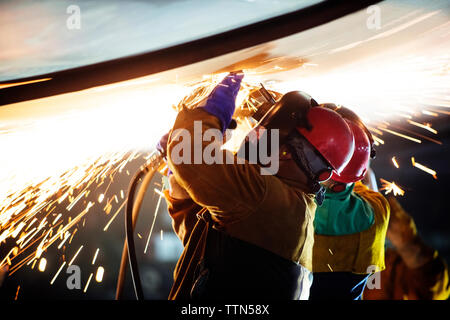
(350, 226)
(249, 235)
(414, 270)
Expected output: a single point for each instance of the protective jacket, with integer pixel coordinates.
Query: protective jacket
(258, 241)
(399, 282)
(342, 262)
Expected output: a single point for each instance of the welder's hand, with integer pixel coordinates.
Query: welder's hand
(401, 230)
(222, 101)
(161, 146)
(175, 190)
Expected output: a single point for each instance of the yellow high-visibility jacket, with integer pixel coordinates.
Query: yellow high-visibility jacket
(357, 252)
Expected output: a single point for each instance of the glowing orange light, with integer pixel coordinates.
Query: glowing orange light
(394, 161)
(391, 187)
(423, 168)
(42, 264)
(99, 274)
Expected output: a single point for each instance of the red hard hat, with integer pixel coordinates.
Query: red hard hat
(330, 135)
(357, 167)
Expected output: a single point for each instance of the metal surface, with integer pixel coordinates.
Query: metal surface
(179, 55)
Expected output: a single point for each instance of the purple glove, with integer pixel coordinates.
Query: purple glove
(162, 145)
(222, 101)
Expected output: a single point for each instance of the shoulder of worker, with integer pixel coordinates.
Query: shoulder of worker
(186, 117)
(376, 200)
(286, 193)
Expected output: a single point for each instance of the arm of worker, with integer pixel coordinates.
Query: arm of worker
(182, 209)
(229, 191)
(427, 273)
(402, 233)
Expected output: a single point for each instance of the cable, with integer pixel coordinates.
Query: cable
(136, 210)
(131, 216)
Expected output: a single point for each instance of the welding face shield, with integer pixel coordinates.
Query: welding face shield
(308, 158)
(276, 120)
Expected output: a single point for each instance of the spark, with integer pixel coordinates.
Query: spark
(114, 216)
(6, 259)
(423, 168)
(162, 235)
(72, 204)
(394, 161)
(429, 113)
(401, 135)
(95, 255)
(161, 195)
(17, 292)
(87, 283)
(42, 264)
(56, 219)
(66, 236)
(423, 126)
(159, 192)
(57, 273)
(75, 255)
(73, 234)
(99, 274)
(391, 187)
(378, 141)
(409, 84)
(441, 111)
(417, 134)
(100, 198)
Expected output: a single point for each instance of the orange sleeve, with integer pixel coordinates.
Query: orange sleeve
(428, 282)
